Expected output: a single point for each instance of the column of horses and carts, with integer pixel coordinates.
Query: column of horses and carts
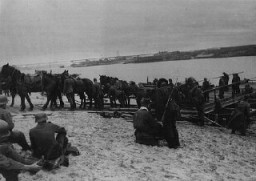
(112, 97)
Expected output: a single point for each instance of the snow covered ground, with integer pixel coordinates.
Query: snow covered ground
(108, 150)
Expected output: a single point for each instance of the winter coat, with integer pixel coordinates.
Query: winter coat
(42, 138)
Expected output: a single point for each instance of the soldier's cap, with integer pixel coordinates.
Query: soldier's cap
(40, 117)
(4, 129)
(3, 100)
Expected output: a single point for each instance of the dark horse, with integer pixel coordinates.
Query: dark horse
(139, 92)
(21, 84)
(81, 86)
(52, 86)
(71, 86)
(112, 87)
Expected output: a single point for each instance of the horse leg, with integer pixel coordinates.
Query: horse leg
(101, 103)
(22, 101)
(91, 102)
(96, 101)
(53, 100)
(61, 101)
(47, 102)
(128, 101)
(122, 102)
(82, 98)
(30, 103)
(112, 102)
(115, 105)
(13, 96)
(73, 101)
(84, 103)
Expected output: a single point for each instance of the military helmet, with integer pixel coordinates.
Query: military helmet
(4, 129)
(3, 100)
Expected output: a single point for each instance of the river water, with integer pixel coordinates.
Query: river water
(177, 70)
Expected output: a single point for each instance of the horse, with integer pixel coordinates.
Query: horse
(52, 86)
(21, 84)
(80, 86)
(72, 86)
(106, 82)
(112, 87)
(116, 94)
(139, 92)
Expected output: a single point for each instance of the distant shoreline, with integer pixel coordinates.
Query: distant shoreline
(223, 52)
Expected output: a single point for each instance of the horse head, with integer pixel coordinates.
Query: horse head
(5, 71)
(10, 72)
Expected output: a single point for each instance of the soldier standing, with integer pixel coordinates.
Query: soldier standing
(226, 79)
(222, 88)
(206, 86)
(236, 84)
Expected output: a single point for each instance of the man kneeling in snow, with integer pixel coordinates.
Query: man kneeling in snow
(146, 127)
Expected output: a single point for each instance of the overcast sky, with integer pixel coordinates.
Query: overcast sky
(61, 30)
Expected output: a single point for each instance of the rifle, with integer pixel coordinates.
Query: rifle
(166, 105)
(228, 74)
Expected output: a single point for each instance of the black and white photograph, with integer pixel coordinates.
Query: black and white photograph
(127, 90)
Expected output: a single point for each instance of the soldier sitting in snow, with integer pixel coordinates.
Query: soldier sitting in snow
(11, 162)
(45, 144)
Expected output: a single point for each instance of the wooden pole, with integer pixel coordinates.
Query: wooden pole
(213, 121)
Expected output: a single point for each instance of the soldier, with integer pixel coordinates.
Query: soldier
(98, 94)
(146, 127)
(43, 141)
(11, 162)
(68, 90)
(206, 86)
(239, 120)
(226, 79)
(170, 83)
(16, 136)
(222, 88)
(248, 89)
(236, 83)
(197, 98)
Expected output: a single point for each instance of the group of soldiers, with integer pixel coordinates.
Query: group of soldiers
(46, 150)
(223, 86)
(148, 131)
